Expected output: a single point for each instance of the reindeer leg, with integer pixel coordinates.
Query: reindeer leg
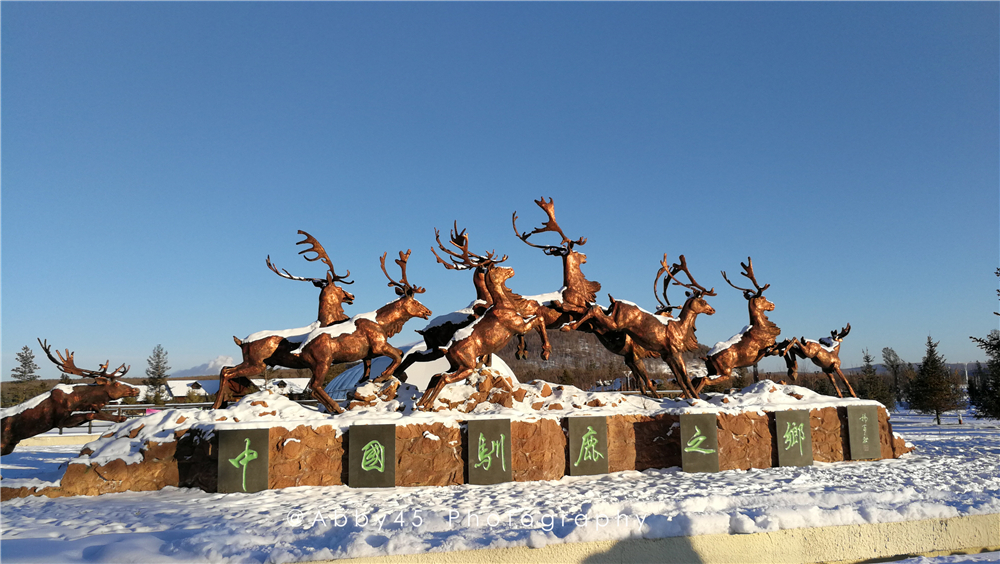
(834, 382)
(434, 388)
(522, 348)
(385, 349)
(848, 384)
(539, 323)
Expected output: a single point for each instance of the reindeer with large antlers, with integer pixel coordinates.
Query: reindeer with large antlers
(659, 333)
(365, 337)
(274, 348)
(65, 406)
(439, 332)
(487, 335)
(749, 346)
(824, 353)
(578, 294)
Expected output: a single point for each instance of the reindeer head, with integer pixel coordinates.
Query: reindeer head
(331, 296)
(405, 290)
(695, 302)
(756, 299)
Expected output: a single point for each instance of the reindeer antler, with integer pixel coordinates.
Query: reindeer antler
(748, 272)
(66, 364)
(694, 286)
(843, 333)
(403, 287)
(465, 259)
(663, 269)
(314, 247)
(566, 245)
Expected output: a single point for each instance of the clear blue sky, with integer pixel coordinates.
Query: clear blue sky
(154, 153)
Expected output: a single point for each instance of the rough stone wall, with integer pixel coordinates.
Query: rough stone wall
(539, 450)
(304, 456)
(746, 441)
(638, 442)
(424, 461)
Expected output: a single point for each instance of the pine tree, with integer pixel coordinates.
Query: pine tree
(984, 386)
(26, 369)
(934, 389)
(156, 376)
(872, 386)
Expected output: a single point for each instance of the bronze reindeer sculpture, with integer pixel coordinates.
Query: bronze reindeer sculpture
(824, 353)
(487, 335)
(439, 332)
(61, 408)
(660, 333)
(274, 348)
(365, 337)
(577, 295)
(749, 346)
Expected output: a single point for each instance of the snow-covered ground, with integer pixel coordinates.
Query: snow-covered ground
(953, 472)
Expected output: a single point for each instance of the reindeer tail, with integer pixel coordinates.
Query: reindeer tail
(239, 343)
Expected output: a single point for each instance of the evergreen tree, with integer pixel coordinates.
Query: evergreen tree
(984, 386)
(872, 386)
(934, 389)
(156, 376)
(26, 369)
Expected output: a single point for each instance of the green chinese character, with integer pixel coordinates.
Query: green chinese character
(694, 445)
(243, 459)
(373, 457)
(795, 435)
(486, 455)
(588, 449)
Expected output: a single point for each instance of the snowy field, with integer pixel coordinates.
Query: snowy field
(953, 472)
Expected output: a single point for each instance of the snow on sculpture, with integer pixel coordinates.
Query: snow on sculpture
(824, 353)
(65, 406)
(274, 348)
(756, 341)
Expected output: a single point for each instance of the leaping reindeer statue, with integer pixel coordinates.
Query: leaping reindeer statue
(747, 347)
(487, 335)
(659, 333)
(365, 337)
(824, 353)
(66, 406)
(274, 348)
(577, 295)
(439, 332)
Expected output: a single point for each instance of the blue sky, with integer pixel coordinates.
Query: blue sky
(154, 153)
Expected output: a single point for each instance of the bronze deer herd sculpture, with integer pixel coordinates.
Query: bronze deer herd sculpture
(467, 338)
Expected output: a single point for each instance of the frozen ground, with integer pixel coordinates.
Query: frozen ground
(953, 472)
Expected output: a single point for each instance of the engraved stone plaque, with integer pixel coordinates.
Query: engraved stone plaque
(371, 456)
(243, 460)
(489, 457)
(588, 445)
(862, 431)
(699, 442)
(793, 436)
